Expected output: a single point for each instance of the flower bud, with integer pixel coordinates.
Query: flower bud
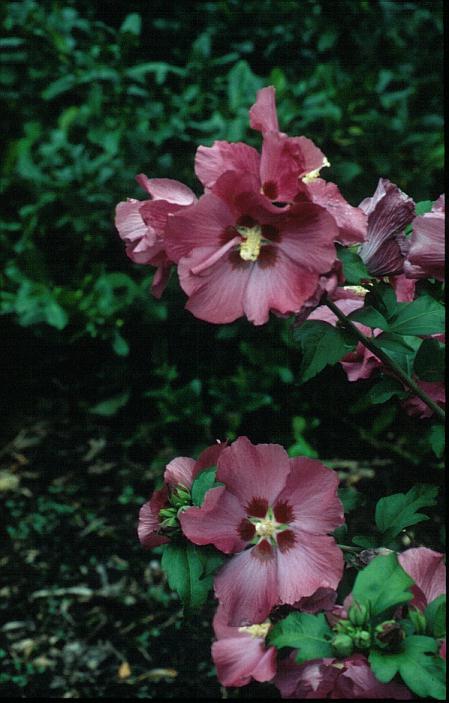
(343, 645)
(362, 639)
(388, 635)
(418, 621)
(358, 614)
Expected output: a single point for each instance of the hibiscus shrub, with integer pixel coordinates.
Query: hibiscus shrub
(363, 288)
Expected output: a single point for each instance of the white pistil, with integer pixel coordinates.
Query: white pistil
(250, 247)
(257, 630)
(313, 175)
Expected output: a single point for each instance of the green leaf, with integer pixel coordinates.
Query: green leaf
(435, 615)
(423, 206)
(310, 634)
(350, 497)
(132, 24)
(370, 317)
(120, 345)
(203, 483)
(112, 405)
(385, 389)
(437, 439)
(185, 569)
(401, 349)
(425, 315)
(365, 541)
(429, 364)
(383, 298)
(382, 585)
(423, 674)
(354, 270)
(321, 344)
(398, 511)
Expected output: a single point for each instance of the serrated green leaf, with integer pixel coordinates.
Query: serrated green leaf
(354, 270)
(429, 364)
(185, 566)
(423, 673)
(425, 315)
(435, 615)
(383, 298)
(203, 483)
(321, 344)
(382, 585)
(401, 349)
(398, 511)
(310, 634)
(370, 317)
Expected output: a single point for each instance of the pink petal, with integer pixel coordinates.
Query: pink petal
(216, 294)
(322, 599)
(361, 363)
(281, 287)
(351, 221)
(247, 589)
(404, 288)
(311, 490)
(155, 213)
(262, 115)
(209, 457)
(212, 162)
(201, 225)
(216, 522)
(167, 189)
(313, 680)
(428, 570)
(307, 236)
(346, 305)
(160, 279)
(130, 224)
(179, 472)
(149, 522)
(426, 256)
(358, 681)
(238, 661)
(436, 390)
(313, 562)
(253, 470)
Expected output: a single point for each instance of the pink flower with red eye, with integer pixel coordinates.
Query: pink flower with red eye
(240, 255)
(349, 678)
(179, 475)
(389, 211)
(428, 571)
(141, 224)
(273, 513)
(240, 653)
(426, 257)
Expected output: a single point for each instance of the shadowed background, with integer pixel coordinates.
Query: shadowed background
(103, 384)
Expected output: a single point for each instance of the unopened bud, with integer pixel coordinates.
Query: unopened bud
(343, 645)
(418, 621)
(362, 639)
(389, 635)
(358, 614)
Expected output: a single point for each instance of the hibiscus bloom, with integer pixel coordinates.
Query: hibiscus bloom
(240, 255)
(426, 253)
(179, 473)
(428, 571)
(141, 224)
(273, 513)
(240, 653)
(414, 406)
(389, 211)
(349, 678)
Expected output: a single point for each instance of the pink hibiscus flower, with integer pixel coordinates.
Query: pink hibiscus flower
(349, 678)
(427, 247)
(240, 255)
(389, 211)
(141, 224)
(428, 571)
(273, 513)
(179, 473)
(240, 653)
(414, 406)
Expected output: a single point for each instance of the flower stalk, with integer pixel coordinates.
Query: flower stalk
(392, 365)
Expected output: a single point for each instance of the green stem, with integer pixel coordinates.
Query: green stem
(395, 368)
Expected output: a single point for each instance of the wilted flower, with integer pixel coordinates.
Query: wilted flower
(426, 253)
(348, 678)
(154, 529)
(389, 211)
(273, 513)
(141, 224)
(240, 653)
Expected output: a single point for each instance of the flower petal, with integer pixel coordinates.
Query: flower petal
(149, 522)
(179, 471)
(212, 162)
(238, 661)
(428, 570)
(252, 471)
(167, 189)
(308, 235)
(262, 115)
